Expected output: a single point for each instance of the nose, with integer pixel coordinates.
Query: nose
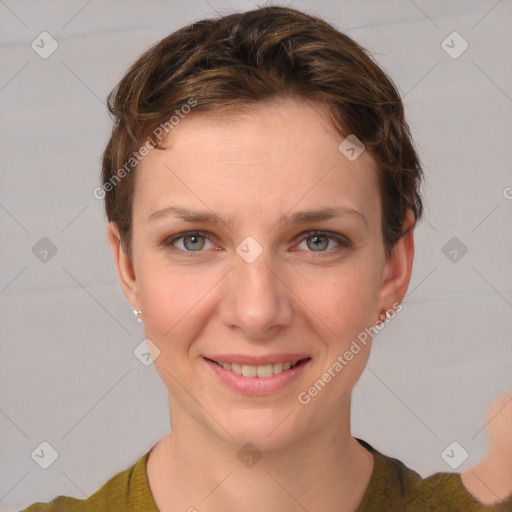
(258, 301)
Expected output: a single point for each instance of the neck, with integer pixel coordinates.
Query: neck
(191, 468)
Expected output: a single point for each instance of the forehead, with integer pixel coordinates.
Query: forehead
(269, 157)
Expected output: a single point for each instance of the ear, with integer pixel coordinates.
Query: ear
(397, 270)
(124, 267)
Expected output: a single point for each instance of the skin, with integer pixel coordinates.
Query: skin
(490, 480)
(250, 169)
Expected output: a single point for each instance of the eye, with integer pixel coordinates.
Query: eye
(318, 241)
(191, 242)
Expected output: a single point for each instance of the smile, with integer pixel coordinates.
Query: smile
(262, 370)
(266, 375)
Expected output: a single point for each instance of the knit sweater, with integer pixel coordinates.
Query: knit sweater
(393, 487)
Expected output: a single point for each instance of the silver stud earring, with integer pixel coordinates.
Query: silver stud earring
(136, 313)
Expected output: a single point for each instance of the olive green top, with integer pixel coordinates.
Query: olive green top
(393, 487)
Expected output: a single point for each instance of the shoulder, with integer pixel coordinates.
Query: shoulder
(394, 486)
(127, 491)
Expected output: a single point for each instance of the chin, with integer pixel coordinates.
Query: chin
(265, 429)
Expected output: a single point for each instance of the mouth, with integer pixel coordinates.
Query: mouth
(262, 371)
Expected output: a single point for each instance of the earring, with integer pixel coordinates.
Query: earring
(384, 316)
(136, 313)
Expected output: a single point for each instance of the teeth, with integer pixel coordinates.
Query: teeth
(262, 370)
(235, 368)
(278, 367)
(265, 370)
(249, 370)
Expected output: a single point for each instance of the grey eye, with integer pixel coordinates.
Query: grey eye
(197, 242)
(320, 242)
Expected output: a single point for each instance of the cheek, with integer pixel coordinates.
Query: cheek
(174, 308)
(342, 300)
(344, 308)
(174, 302)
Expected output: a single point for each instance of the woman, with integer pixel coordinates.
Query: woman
(262, 189)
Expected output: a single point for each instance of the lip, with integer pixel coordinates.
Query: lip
(257, 360)
(259, 385)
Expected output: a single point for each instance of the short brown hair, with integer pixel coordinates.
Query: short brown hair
(237, 60)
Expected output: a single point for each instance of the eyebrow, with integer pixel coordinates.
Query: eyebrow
(301, 217)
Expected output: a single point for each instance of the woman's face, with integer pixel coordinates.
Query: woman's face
(258, 285)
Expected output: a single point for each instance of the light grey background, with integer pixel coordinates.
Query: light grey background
(68, 374)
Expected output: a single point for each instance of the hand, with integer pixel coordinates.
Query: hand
(490, 480)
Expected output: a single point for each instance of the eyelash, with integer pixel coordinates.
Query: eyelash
(343, 241)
